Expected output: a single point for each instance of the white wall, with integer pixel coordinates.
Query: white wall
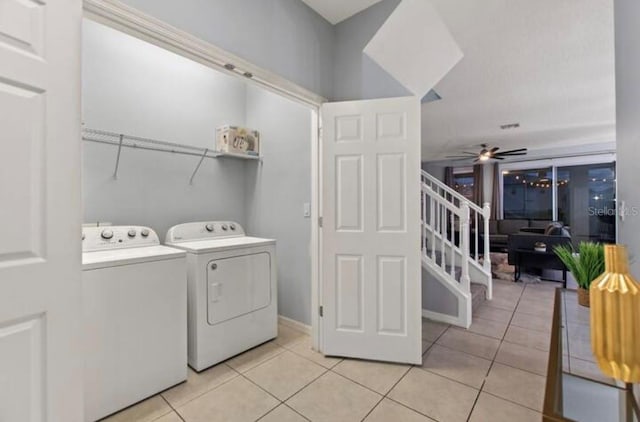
(627, 16)
(284, 36)
(276, 191)
(132, 87)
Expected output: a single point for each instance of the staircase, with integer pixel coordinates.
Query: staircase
(456, 273)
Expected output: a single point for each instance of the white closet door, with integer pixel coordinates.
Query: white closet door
(371, 287)
(40, 347)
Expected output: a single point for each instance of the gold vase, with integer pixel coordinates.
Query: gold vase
(615, 318)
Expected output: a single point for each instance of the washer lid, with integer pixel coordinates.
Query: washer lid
(221, 244)
(128, 256)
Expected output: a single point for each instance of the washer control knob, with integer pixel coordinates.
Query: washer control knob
(232, 226)
(209, 227)
(83, 236)
(224, 227)
(106, 234)
(214, 266)
(144, 232)
(131, 233)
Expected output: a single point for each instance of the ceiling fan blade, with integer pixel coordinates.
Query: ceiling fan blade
(503, 154)
(459, 157)
(494, 150)
(524, 150)
(498, 158)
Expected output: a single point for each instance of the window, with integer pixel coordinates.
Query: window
(463, 184)
(587, 201)
(579, 192)
(527, 194)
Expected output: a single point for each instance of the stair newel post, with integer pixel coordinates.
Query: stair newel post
(465, 280)
(486, 214)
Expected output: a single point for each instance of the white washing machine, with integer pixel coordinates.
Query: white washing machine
(232, 290)
(134, 317)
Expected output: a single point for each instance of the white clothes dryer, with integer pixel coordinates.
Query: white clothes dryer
(134, 293)
(232, 289)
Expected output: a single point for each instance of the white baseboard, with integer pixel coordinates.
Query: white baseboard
(437, 316)
(295, 325)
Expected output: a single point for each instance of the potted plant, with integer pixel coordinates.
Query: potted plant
(586, 265)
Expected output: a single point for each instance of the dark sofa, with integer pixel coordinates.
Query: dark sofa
(499, 231)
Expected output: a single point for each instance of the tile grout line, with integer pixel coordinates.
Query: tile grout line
(172, 408)
(524, 370)
(295, 411)
(290, 396)
(481, 390)
(206, 391)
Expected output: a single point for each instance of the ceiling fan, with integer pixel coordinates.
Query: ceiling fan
(488, 153)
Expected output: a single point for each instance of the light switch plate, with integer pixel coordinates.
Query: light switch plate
(307, 210)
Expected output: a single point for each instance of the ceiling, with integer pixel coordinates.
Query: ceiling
(545, 64)
(336, 11)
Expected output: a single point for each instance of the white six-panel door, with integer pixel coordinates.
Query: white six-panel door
(40, 356)
(371, 287)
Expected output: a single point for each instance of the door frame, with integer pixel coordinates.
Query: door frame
(131, 21)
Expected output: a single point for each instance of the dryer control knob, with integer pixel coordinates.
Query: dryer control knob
(224, 227)
(106, 234)
(83, 236)
(209, 227)
(144, 232)
(232, 227)
(131, 233)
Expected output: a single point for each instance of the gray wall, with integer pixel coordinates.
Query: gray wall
(132, 87)
(284, 36)
(290, 39)
(276, 192)
(627, 36)
(355, 76)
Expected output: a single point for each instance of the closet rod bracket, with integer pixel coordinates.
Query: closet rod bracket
(202, 157)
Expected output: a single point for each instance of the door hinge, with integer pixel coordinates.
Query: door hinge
(321, 311)
(320, 222)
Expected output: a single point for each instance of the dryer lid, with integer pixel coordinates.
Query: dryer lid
(221, 244)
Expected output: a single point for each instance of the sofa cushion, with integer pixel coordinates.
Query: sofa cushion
(511, 226)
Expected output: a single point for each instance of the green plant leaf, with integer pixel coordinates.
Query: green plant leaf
(586, 265)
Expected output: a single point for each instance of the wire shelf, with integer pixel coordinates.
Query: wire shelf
(120, 140)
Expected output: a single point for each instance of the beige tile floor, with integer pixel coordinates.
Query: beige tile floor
(493, 372)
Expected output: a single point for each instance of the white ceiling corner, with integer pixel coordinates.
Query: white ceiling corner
(415, 46)
(335, 11)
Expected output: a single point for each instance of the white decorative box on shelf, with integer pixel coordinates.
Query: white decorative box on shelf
(238, 141)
